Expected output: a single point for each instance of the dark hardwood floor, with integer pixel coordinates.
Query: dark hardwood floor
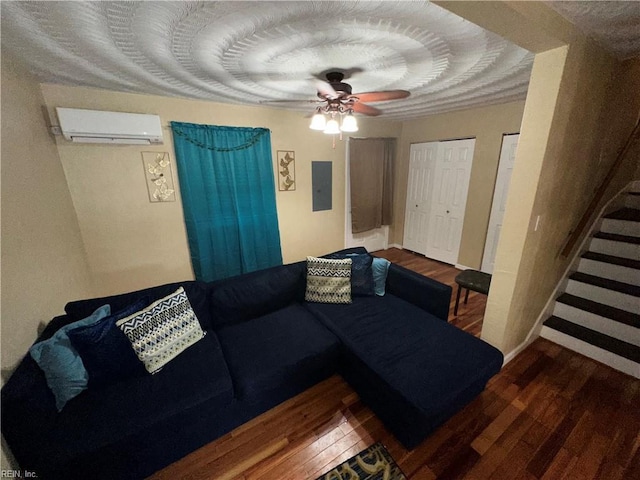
(549, 414)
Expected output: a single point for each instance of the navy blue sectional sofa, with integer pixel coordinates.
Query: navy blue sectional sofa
(264, 344)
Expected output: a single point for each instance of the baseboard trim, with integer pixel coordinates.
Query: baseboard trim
(395, 245)
(514, 353)
(459, 266)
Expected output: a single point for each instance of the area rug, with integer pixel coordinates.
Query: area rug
(373, 463)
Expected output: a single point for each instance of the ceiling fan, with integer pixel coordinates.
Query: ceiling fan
(337, 93)
(336, 99)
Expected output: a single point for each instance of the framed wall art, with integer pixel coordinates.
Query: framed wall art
(286, 170)
(157, 170)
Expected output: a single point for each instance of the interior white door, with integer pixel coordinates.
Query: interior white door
(449, 199)
(422, 165)
(372, 240)
(500, 192)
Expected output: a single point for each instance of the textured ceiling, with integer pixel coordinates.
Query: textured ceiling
(252, 52)
(613, 24)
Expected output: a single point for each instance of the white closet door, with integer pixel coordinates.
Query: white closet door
(500, 192)
(422, 165)
(449, 199)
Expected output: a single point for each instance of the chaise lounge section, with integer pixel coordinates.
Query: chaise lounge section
(264, 344)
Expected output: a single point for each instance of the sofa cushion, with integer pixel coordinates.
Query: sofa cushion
(429, 361)
(197, 292)
(61, 363)
(255, 294)
(105, 350)
(328, 280)
(99, 417)
(279, 351)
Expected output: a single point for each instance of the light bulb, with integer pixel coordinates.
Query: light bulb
(318, 122)
(332, 127)
(349, 124)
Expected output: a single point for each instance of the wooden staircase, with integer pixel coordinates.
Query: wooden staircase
(598, 315)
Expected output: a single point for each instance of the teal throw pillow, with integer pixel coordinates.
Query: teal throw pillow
(380, 268)
(61, 363)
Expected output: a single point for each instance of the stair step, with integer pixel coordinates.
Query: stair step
(632, 200)
(622, 316)
(613, 345)
(618, 249)
(625, 221)
(606, 296)
(604, 325)
(623, 262)
(618, 238)
(621, 287)
(584, 348)
(628, 214)
(609, 270)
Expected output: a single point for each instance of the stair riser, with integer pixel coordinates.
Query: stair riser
(617, 249)
(614, 361)
(600, 324)
(632, 201)
(621, 227)
(610, 271)
(604, 295)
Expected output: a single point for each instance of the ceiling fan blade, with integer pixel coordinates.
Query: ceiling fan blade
(289, 101)
(326, 90)
(382, 96)
(366, 109)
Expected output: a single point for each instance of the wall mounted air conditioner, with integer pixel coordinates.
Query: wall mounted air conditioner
(93, 126)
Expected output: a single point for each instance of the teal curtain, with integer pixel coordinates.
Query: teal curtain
(228, 196)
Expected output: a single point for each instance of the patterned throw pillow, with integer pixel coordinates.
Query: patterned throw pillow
(163, 330)
(328, 281)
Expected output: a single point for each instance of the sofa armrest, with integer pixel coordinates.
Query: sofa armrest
(426, 293)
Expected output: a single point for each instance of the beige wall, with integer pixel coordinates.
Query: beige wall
(43, 259)
(621, 116)
(566, 147)
(487, 125)
(132, 243)
(570, 131)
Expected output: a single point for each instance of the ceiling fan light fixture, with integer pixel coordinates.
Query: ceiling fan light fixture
(332, 127)
(318, 121)
(349, 123)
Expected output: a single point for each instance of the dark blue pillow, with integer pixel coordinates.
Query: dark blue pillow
(362, 284)
(105, 350)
